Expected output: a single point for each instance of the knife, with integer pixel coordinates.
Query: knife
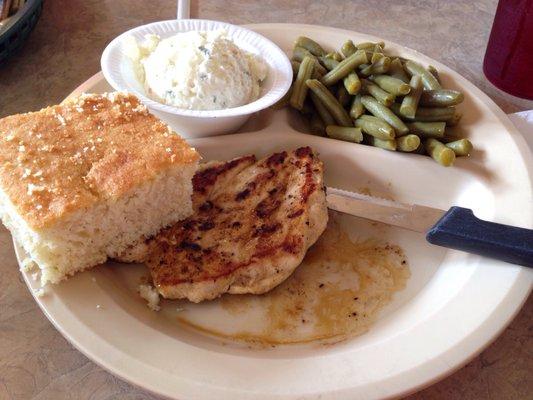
(458, 228)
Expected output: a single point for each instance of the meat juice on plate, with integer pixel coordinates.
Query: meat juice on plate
(336, 293)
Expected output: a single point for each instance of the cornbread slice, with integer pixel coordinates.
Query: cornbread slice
(83, 180)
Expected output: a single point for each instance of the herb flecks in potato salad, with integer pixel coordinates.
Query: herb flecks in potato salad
(197, 70)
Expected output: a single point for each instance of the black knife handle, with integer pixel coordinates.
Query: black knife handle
(460, 229)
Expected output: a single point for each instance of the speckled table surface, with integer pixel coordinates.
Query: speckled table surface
(36, 362)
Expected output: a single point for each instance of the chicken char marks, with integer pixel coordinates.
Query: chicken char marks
(252, 225)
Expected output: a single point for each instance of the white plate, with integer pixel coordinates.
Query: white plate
(454, 305)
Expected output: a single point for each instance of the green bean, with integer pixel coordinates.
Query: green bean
(441, 98)
(344, 68)
(403, 59)
(427, 129)
(299, 91)
(343, 96)
(427, 108)
(380, 111)
(329, 63)
(310, 45)
(379, 67)
(396, 70)
(434, 72)
(455, 119)
(382, 144)
(410, 102)
(295, 67)
(392, 85)
(429, 118)
(343, 133)
(407, 143)
(316, 125)
(444, 113)
(379, 94)
(322, 110)
(299, 53)
(348, 48)
(375, 57)
(352, 83)
(428, 80)
(378, 48)
(461, 147)
(369, 55)
(319, 68)
(439, 152)
(338, 113)
(369, 45)
(357, 109)
(377, 53)
(365, 46)
(425, 114)
(375, 127)
(335, 55)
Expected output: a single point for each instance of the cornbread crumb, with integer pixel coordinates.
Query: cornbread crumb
(27, 265)
(151, 295)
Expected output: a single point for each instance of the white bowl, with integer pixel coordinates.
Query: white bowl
(118, 70)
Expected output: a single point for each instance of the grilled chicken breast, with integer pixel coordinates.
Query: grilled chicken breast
(253, 222)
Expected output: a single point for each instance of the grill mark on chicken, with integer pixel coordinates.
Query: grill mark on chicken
(206, 206)
(295, 214)
(310, 185)
(291, 244)
(246, 192)
(242, 195)
(276, 159)
(266, 229)
(208, 176)
(206, 225)
(189, 224)
(190, 246)
(303, 152)
(266, 207)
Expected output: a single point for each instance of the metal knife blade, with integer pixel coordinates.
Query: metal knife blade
(408, 216)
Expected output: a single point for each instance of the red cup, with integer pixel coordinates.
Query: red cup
(508, 62)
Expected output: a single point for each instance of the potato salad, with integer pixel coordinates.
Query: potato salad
(198, 70)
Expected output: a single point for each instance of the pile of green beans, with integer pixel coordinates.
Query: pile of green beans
(360, 94)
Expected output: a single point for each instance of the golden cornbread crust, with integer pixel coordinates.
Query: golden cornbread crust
(70, 156)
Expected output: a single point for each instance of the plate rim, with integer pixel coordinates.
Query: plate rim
(519, 290)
